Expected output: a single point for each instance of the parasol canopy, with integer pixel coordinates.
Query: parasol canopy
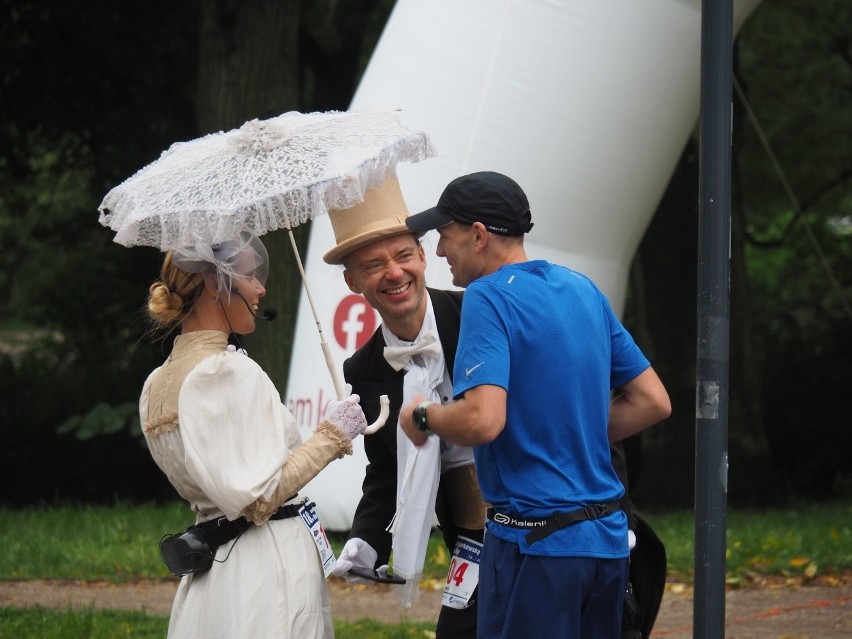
(266, 175)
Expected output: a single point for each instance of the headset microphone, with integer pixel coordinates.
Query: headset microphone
(269, 313)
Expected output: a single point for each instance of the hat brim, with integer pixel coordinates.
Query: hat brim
(339, 252)
(428, 220)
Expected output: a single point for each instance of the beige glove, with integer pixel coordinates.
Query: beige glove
(326, 444)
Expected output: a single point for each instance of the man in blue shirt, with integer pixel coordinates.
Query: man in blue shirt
(539, 354)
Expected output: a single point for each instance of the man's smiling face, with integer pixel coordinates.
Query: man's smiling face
(391, 274)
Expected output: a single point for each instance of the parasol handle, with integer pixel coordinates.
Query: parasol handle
(339, 389)
(383, 416)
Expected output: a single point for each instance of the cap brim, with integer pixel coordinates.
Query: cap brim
(429, 219)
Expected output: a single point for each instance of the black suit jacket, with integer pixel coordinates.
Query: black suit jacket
(371, 376)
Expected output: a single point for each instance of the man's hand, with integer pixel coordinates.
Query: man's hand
(356, 553)
(417, 437)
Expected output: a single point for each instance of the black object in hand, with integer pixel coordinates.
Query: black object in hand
(375, 575)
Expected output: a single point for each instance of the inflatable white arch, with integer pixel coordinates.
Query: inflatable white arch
(586, 103)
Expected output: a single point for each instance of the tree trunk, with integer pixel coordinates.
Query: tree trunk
(248, 62)
(248, 68)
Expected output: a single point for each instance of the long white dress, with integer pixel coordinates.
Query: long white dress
(221, 435)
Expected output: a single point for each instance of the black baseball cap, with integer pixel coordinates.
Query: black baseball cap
(491, 198)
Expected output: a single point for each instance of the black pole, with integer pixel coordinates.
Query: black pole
(714, 241)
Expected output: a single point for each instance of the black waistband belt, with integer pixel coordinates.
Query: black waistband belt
(541, 528)
(220, 530)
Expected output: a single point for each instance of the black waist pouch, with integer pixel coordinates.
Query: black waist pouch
(193, 551)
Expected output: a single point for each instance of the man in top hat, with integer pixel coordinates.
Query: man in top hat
(540, 351)
(411, 354)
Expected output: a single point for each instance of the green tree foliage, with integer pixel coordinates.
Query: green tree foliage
(795, 198)
(791, 270)
(91, 92)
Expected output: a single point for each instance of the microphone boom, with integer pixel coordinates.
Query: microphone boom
(269, 313)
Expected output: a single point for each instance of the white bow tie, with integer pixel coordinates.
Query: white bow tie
(399, 356)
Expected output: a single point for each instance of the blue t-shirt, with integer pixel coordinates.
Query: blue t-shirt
(548, 336)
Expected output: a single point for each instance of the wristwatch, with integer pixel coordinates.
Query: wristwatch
(418, 416)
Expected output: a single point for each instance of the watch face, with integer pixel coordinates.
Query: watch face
(419, 417)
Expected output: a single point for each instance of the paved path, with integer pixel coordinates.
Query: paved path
(774, 612)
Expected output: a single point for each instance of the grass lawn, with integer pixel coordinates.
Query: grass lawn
(120, 543)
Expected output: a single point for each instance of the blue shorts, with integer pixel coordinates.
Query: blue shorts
(522, 596)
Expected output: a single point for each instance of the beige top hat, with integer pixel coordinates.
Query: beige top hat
(382, 214)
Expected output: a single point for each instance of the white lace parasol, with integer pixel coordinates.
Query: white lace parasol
(266, 175)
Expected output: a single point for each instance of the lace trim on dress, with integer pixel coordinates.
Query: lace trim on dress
(337, 436)
(162, 424)
(208, 341)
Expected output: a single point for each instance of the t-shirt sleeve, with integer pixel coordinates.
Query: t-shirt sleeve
(628, 361)
(236, 432)
(482, 356)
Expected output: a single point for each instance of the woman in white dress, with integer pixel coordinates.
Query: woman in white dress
(215, 425)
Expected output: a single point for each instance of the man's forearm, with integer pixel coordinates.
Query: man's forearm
(641, 403)
(475, 419)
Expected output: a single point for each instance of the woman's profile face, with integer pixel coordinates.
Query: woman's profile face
(246, 292)
(247, 287)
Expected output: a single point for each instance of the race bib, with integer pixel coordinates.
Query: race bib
(310, 518)
(463, 574)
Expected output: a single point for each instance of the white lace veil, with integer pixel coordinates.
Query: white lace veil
(241, 258)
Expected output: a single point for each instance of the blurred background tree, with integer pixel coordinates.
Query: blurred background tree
(790, 272)
(92, 94)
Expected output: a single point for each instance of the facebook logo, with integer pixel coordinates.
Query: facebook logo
(354, 322)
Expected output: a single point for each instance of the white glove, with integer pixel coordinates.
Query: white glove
(356, 553)
(347, 415)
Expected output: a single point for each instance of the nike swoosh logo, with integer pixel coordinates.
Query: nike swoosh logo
(468, 371)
